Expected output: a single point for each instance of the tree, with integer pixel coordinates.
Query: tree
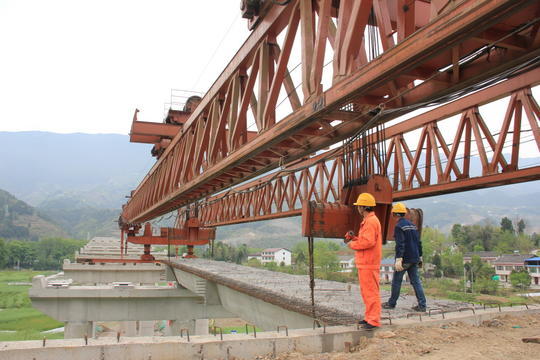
(506, 225)
(456, 231)
(520, 279)
(300, 258)
(51, 252)
(432, 243)
(436, 260)
(477, 237)
(505, 242)
(521, 226)
(324, 257)
(480, 269)
(535, 239)
(3, 254)
(477, 248)
(523, 243)
(21, 253)
(452, 263)
(241, 254)
(486, 286)
(333, 246)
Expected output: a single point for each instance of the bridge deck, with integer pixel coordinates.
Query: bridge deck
(335, 302)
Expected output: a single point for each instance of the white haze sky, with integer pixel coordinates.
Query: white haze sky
(84, 66)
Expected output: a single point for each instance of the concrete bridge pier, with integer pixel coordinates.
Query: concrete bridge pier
(78, 329)
(145, 328)
(201, 327)
(128, 328)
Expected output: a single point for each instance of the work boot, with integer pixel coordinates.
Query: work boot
(387, 305)
(419, 308)
(368, 326)
(362, 322)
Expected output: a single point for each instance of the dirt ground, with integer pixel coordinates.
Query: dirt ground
(495, 339)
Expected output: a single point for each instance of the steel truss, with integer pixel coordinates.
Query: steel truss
(430, 51)
(436, 164)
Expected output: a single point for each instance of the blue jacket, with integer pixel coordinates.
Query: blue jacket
(408, 244)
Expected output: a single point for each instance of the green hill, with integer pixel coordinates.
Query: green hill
(18, 220)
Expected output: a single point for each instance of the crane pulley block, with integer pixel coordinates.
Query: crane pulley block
(333, 220)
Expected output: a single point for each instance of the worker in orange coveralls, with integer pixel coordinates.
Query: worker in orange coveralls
(368, 247)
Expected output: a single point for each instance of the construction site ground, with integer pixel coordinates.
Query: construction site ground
(498, 338)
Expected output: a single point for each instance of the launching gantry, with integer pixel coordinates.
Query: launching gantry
(315, 73)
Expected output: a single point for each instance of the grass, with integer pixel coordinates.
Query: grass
(17, 314)
(453, 289)
(29, 335)
(27, 319)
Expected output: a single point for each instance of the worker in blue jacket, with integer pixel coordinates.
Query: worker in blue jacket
(408, 259)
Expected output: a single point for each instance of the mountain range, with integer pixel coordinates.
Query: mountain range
(98, 170)
(78, 182)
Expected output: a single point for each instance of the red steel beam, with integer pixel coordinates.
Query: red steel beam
(505, 178)
(143, 131)
(282, 193)
(157, 195)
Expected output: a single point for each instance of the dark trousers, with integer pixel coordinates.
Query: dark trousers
(416, 283)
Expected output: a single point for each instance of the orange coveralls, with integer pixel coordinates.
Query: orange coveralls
(368, 247)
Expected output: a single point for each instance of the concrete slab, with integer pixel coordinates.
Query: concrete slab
(335, 302)
(129, 303)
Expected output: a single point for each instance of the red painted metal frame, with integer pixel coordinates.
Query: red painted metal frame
(189, 234)
(120, 260)
(320, 178)
(213, 151)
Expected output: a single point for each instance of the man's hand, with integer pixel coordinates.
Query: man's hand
(399, 264)
(349, 236)
(421, 262)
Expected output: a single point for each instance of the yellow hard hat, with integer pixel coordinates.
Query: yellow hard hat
(399, 208)
(365, 199)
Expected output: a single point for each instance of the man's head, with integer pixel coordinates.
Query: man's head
(365, 202)
(399, 209)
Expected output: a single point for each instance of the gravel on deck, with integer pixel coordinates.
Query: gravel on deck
(336, 303)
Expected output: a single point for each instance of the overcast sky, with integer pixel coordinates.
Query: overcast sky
(84, 66)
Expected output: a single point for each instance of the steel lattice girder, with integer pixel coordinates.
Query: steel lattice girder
(204, 158)
(320, 178)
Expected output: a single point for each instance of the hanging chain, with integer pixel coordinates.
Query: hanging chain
(169, 231)
(363, 155)
(311, 276)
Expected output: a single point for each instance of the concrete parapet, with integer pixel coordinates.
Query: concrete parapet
(240, 346)
(107, 273)
(178, 348)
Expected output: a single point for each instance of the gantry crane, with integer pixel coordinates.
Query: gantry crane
(362, 64)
